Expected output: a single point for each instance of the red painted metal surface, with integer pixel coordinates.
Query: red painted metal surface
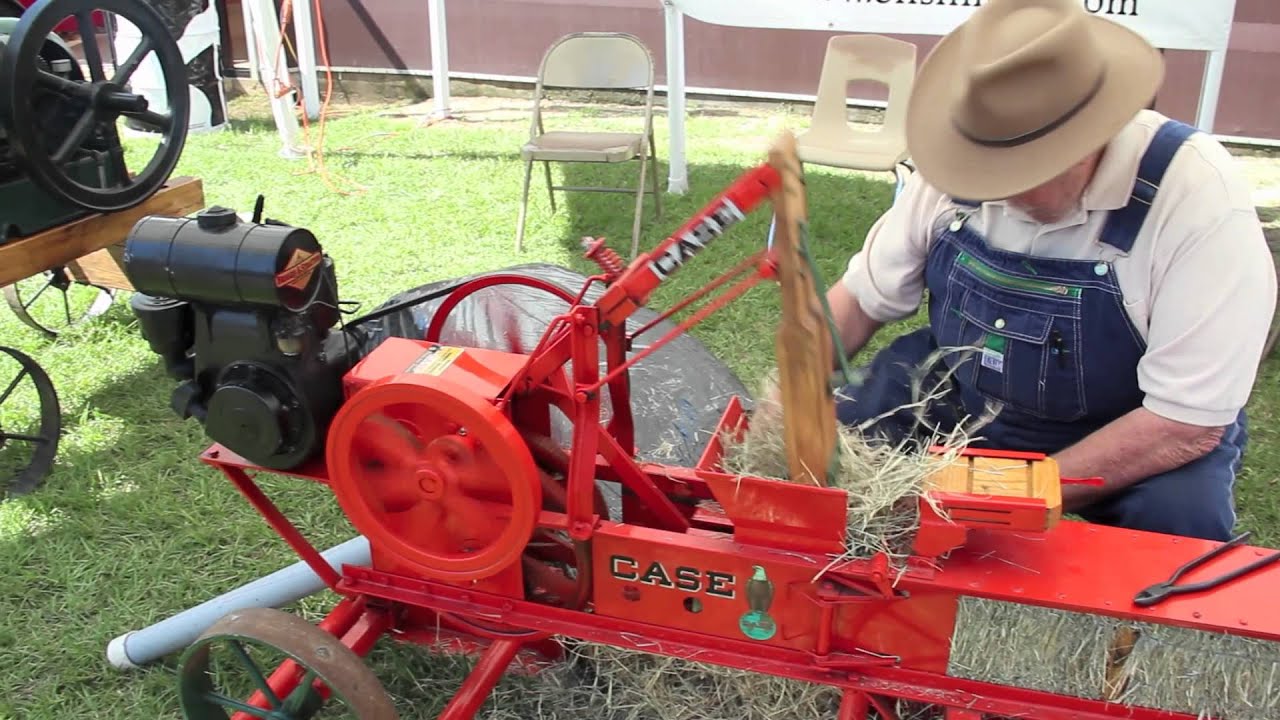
(488, 534)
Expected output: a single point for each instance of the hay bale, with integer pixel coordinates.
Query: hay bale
(1167, 668)
(1210, 674)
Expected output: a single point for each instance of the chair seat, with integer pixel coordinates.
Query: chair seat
(583, 146)
(870, 153)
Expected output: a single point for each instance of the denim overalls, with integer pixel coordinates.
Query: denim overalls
(1048, 340)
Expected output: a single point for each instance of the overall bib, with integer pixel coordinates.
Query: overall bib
(1046, 342)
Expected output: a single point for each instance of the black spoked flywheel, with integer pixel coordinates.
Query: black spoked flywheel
(90, 107)
(30, 423)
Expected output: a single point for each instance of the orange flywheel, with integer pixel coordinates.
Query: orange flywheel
(435, 476)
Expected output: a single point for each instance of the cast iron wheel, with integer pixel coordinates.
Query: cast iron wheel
(46, 303)
(255, 642)
(98, 104)
(27, 448)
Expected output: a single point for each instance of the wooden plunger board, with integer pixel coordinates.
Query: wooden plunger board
(804, 347)
(92, 248)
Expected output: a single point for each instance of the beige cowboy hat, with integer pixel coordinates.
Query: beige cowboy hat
(1022, 91)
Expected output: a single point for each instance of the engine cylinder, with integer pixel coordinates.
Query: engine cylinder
(218, 258)
(168, 327)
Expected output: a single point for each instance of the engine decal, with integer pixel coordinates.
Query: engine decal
(298, 271)
(435, 360)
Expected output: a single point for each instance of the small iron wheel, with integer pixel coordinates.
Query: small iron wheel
(53, 302)
(256, 644)
(30, 422)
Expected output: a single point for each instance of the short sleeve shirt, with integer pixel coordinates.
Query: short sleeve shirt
(1199, 282)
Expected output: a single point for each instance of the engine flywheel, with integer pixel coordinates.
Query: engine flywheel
(434, 475)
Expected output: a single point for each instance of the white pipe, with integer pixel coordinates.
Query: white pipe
(439, 56)
(140, 647)
(1214, 66)
(304, 33)
(677, 176)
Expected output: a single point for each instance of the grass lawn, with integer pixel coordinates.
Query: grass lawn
(130, 528)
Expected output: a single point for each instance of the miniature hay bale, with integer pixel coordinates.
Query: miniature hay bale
(1168, 668)
(1030, 647)
(1212, 674)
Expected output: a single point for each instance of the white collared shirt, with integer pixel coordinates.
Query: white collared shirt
(1199, 282)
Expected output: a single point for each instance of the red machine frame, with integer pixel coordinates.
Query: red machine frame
(674, 576)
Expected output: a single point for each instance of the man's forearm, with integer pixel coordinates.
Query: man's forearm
(1133, 447)
(854, 325)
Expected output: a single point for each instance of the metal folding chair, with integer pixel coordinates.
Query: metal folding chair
(593, 61)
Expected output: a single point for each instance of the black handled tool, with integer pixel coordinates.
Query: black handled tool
(1160, 591)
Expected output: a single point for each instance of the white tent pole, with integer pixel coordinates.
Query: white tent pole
(304, 31)
(272, 69)
(439, 56)
(677, 178)
(1214, 66)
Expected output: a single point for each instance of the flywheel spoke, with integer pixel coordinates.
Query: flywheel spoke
(125, 70)
(89, 39)
(79, 133)
(151, 118)
(67, 87)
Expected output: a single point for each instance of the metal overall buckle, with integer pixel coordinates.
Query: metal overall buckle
(1160, 591)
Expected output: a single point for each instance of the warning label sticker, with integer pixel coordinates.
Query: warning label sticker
(435, 360)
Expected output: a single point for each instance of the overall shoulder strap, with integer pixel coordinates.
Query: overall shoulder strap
(1123, 224)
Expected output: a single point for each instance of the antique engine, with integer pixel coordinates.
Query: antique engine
(61, 153)
(243, 312)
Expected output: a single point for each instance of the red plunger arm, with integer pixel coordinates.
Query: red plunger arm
(636, 284)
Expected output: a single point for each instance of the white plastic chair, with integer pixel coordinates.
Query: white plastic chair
(593, 61)
(831, 140)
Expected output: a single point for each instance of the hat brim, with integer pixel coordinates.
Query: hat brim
(962, 168)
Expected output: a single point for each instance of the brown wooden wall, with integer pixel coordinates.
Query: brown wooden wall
(507, 37)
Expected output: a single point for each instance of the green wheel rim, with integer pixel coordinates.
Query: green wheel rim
(320, 656)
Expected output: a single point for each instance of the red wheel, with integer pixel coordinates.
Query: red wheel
(468, 288)
(435, 476)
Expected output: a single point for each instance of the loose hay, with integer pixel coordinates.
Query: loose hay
(1169, 668)
(610, 683)
(884, 481)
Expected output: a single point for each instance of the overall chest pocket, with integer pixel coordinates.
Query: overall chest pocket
(1024, 351)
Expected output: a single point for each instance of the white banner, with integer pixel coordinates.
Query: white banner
(1170, 24)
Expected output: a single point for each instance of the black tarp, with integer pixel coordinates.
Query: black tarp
(678, 393)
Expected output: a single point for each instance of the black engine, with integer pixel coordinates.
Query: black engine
(244, 312)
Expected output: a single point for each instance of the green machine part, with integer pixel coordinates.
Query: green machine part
(25, 207)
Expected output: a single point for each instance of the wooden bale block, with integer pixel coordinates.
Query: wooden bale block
(104, 268)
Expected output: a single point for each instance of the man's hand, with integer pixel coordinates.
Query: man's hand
(1129, 449)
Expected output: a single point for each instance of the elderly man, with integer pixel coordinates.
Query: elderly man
(1096, 273)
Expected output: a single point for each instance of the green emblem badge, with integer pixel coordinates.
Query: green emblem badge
(756, 623)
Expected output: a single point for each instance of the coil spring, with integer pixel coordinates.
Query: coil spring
(608, 260)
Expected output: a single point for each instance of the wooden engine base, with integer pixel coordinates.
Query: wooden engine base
(92, 248)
